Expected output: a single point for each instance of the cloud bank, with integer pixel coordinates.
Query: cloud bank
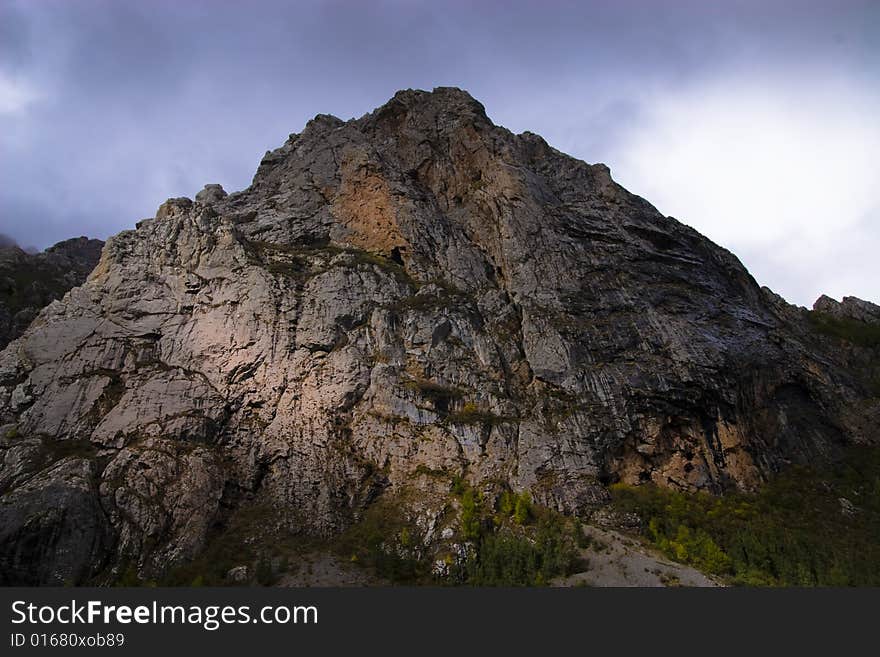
(754, 122)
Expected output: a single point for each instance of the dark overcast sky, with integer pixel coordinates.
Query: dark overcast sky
(754, 122)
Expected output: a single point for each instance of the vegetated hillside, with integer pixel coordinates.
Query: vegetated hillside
(814, 524)
(407, 321)
(809, 526)
(30, 282)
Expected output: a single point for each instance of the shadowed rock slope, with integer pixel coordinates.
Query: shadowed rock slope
(395, 301)
(30, 282)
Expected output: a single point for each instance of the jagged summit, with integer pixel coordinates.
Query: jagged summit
(452, 103)
(849, 307)
(397, 301)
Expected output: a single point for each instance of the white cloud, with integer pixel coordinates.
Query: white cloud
(785, 176)
(15, 95)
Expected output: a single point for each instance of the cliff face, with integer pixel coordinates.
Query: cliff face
(30, 282)
(396, 300)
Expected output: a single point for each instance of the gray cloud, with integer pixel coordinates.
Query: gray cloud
(109, 107)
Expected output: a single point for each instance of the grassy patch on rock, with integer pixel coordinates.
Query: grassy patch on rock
(385, 541)
(470, 414)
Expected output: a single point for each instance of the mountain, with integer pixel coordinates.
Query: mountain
(404, 316)
(29, 282)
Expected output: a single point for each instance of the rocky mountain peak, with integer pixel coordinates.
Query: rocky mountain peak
(445, 107)
(398, 301)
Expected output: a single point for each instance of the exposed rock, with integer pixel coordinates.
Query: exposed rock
(849, 308)
(52, 528)
(847, 508)
(210, 194)
(173, 207)
(396, 300)
(29, 282)
(614, 559)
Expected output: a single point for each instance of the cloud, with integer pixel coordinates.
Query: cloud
(784, 174)
(109, 107)
(15, 95)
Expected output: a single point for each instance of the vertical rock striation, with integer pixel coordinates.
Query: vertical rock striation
(396, 300)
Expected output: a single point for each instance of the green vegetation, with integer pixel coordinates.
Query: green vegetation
(522, 509)
(419, 302)
(30, 284)
(850, 330)
(503, 541)
(128, 577)
(294, 261)
(383, 541)
(295, 268)
(445, 295)
(516, 543)
(251, 537)
(441, 395)
(470, 413)
(387, 265)
(865, 365)
(470, 522)
(505, 558)
(55, 450)
(301, 261)
(265, 575)
(477, 184)
(807, 527)
(516, 507)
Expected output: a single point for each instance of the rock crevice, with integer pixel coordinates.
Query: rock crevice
(398, 300)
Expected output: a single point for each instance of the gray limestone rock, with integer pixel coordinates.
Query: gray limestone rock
(210, 194)
(395, 301)
(849, 308)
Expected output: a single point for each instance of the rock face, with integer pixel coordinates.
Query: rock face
(398, 299)
(849, 308)
(28, 283)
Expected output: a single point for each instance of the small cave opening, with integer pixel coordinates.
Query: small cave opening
(397, 255)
